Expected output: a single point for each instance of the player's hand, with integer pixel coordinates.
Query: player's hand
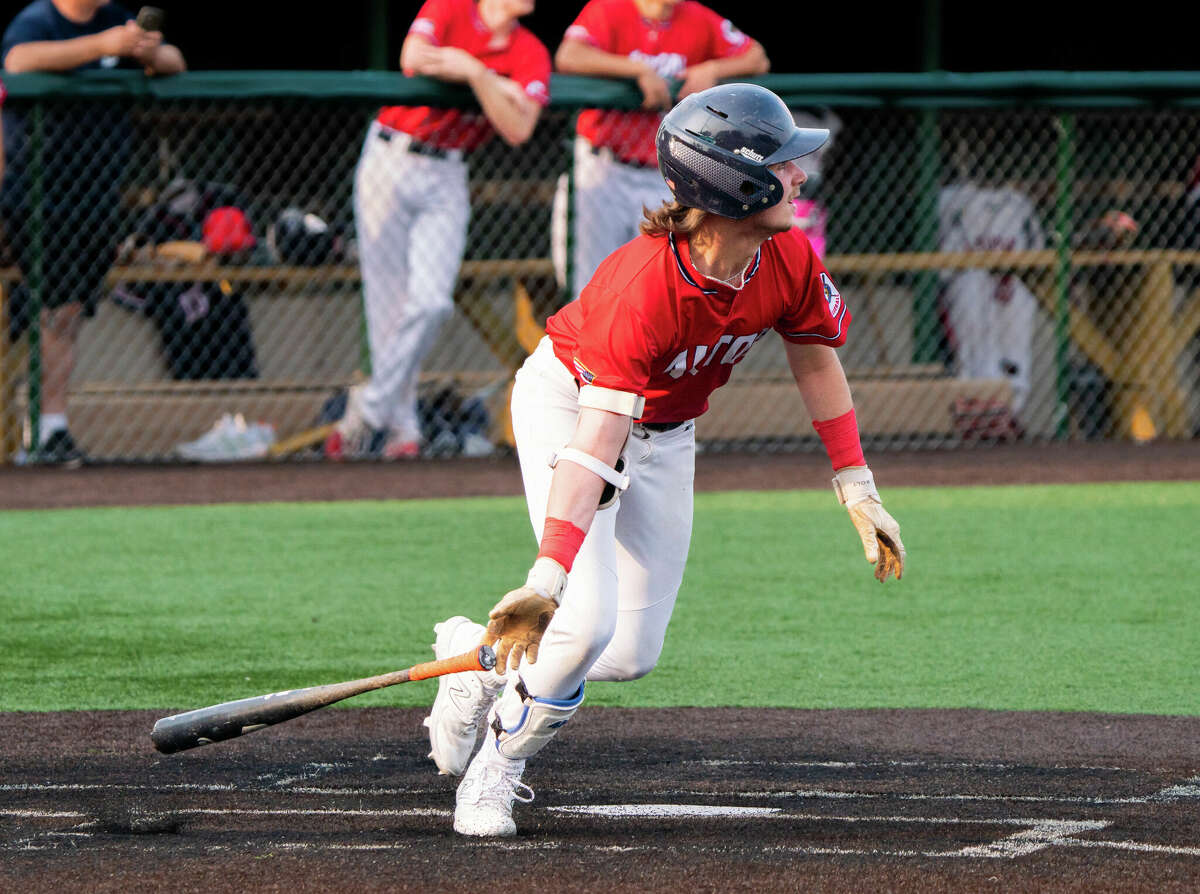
(516, 624)
(147, 45)
(879, 532)
(122, 40)
(697, 78)
(656, 92)
(515, 627)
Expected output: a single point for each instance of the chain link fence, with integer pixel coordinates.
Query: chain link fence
(1020, 257)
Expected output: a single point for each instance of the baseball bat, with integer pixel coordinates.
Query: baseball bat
(306, 438)
(229, 720)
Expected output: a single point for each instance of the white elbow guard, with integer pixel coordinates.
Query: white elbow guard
(616, 482)
(524, 724)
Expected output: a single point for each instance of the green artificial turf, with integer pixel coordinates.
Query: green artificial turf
(1079, 597)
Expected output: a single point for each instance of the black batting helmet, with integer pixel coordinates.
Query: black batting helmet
(301, 237)
(714, 148)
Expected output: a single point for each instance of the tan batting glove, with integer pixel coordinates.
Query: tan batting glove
(855, 489)
(516, 624)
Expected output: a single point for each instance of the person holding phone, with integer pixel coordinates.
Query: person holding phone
(85, 147)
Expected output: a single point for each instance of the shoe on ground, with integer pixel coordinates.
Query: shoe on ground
(483, 803)
(59, 449)
(475, 444)
(397, 447)
(351, 437)
(231, 438)
(463, 699)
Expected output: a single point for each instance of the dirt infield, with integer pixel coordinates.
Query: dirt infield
(627, 801)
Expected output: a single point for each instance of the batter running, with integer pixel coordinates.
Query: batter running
(603, 414)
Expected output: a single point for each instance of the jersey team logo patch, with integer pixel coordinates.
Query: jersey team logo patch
(584, 373)
(832, 296)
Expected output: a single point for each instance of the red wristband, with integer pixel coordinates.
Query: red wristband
(840, 437)
(561, 541)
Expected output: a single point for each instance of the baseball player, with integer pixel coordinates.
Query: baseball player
(990, 315)
(603, 413)
(411, 205)
(615, 167)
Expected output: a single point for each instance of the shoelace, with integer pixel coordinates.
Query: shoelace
(494, 783)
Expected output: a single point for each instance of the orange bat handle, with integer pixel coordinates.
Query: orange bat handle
(478, 659)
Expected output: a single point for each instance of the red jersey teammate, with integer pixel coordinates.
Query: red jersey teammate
(602, 413)
(411, 204)
(616, 169)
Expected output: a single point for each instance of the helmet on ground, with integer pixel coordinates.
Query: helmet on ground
(716, 146)
(300, 237)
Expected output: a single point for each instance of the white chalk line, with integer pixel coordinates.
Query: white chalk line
(851, 795)
(309, 771)
(1172, 793)
(1034, 834)
(933, 765)
(211, 787)
(1037, 834)
(266, 811)
(1139, 846)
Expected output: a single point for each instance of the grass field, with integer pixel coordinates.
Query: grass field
(1073, 597)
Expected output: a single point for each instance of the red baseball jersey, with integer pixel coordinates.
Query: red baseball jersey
(456, 23)
(692, 35)
(648, 323)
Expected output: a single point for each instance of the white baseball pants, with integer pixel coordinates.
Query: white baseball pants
(622, 588)
(411, 213)
(609, 196)
(993, 322)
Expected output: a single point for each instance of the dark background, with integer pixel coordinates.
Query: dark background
(838, 36)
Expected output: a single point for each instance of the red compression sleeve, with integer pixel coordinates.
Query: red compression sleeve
(840, 437)
(561, 541)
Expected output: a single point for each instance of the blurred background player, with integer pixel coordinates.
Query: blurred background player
(603, 413)
(990, 314)
(83, 163)
(615, 168)
(411, 205)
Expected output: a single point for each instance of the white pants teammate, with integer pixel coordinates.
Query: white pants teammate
(622, 588)
(411, 213)
(992, 319)
(609, 196)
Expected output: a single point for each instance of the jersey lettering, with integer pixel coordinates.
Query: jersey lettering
(665, 65)
(738, 348)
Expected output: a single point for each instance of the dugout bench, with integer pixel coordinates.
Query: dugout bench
(1140, 358)
(147, 416)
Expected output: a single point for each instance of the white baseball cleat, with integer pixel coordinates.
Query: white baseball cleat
(483, 804)
(463, 699)
(351, 435)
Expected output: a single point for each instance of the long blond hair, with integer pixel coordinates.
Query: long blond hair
(671, 217)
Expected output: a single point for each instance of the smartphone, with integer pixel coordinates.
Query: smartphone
(150, 18)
